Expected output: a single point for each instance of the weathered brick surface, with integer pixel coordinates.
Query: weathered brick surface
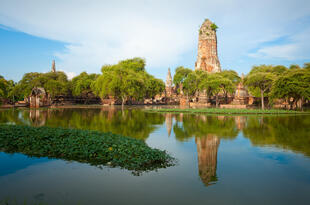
(207, 58)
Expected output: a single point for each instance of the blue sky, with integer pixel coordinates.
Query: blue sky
(84, 35)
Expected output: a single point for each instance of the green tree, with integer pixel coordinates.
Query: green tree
(127, 80)
(293, 84)
(214, 84)
(294, 66)
(307, 66)
(234, 78)
(55, 83)
(180, 76)
(121, 83)
(190, 84)
(261, 77)
(135, 64)
(81, 84)
(153, 86)
(3, 87)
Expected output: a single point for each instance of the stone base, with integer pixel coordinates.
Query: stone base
(184, 101)
(199, 104)
(243, 101)
(233, 106)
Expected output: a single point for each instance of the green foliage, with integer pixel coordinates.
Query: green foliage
(127, 80)
(93, 147)
(214, 27)
(295, 83)
(180, 75)
(216, 83)
(82, 83)
(121, 83)
(294, 66)
(135, 64)
(261, 77)
(6, 89)
(307, 66)
(54, 83)
(261, 80)
(153, 86)
(3, 87)
(231, 75)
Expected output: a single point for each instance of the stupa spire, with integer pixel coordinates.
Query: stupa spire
(53, 66)
(207, 58)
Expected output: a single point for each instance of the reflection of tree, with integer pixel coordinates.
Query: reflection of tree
(207, 158)
(133, 123)
(287, 132)
(203, 125)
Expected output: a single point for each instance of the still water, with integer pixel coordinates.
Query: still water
(221, 160)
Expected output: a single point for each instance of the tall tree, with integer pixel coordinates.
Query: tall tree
(234, 78)
(179, 77)
(261, 78)
(127, 80)
(293, 84)
(81, 84)
(214, 84)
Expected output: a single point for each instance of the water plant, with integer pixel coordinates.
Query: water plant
(96, 148)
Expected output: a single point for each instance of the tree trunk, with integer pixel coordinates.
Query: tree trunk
(226, 98)
(216, 100)
(262, 98)
(181, 89)
(123, 102)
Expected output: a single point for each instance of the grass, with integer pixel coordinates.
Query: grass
(96, 148)
(226, 111)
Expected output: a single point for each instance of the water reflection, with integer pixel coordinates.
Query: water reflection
(207, 148)
(285, 132)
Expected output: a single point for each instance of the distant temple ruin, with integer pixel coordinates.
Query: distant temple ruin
(53, 67)
(169, 84)
(207, 58)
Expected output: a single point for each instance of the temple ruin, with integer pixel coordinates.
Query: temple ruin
(207, 58)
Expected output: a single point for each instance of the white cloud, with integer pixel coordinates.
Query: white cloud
(296, 47)
(102, 32)
(69, 74)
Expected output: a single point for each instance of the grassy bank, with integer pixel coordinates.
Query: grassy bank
(226, 111)
(96, 148)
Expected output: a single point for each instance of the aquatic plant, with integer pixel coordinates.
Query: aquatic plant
(96, 148)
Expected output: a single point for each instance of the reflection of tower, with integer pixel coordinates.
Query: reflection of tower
(240, 122)
(169, 123)
(37, 117)
(207, 158)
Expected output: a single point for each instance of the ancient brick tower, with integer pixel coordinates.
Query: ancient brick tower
(53, 66)
(169, 84)
(207, 58)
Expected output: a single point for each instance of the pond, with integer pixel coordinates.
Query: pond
(254, 159)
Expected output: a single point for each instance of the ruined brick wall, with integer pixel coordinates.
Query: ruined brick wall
(207, 58)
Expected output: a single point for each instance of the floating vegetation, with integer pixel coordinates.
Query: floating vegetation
(96, 148)
(227, 111)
